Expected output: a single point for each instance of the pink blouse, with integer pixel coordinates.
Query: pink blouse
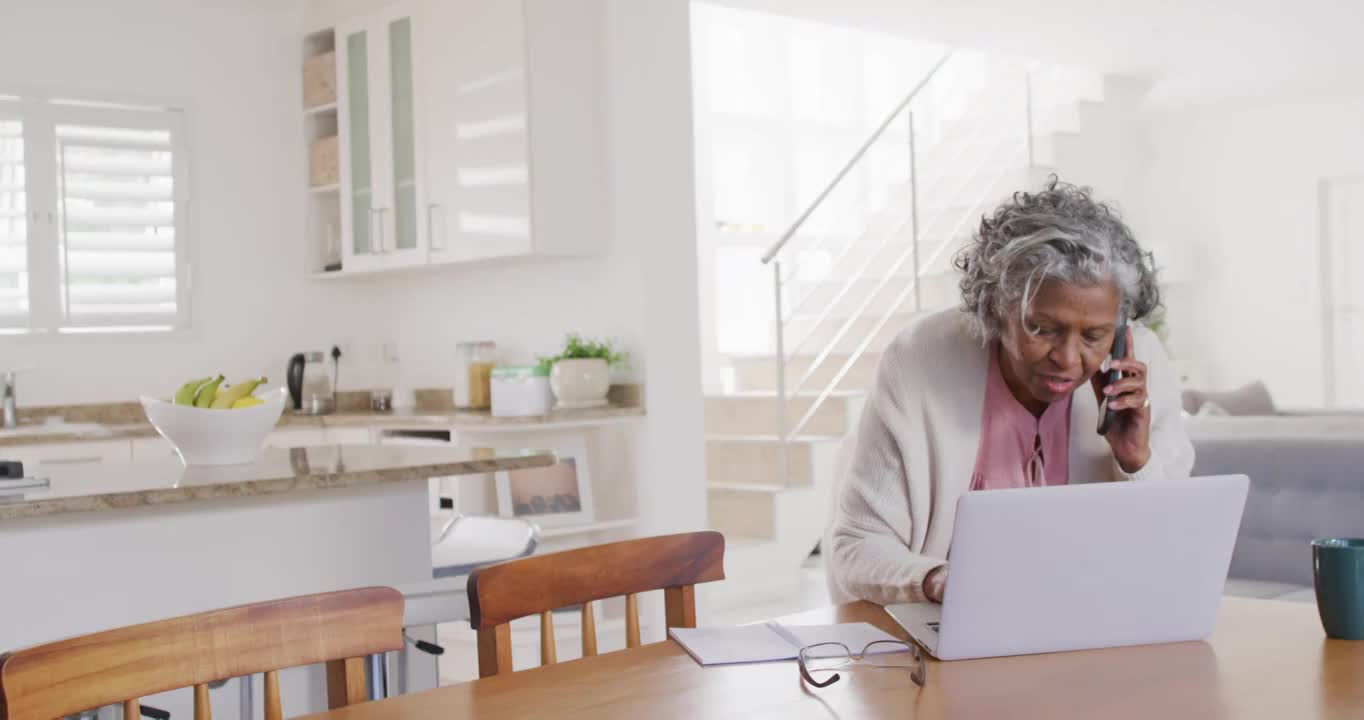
(1016, 449)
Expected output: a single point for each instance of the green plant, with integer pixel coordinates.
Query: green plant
(1159, 324)
(577, 347)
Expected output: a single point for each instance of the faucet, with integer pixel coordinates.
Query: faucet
(11, 411)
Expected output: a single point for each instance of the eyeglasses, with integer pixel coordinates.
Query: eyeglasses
(819, 664)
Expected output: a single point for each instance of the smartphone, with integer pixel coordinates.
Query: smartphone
(1107, 416)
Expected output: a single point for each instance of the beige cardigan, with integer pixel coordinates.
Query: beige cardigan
(916, 448)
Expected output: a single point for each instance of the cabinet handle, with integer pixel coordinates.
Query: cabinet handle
(431, 226)
(383, 245)
(71, 461)
(374, 248)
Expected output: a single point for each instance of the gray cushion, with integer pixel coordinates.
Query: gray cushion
(1252, 399)
(1301, 488)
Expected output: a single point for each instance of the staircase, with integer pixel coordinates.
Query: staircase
(870, 254)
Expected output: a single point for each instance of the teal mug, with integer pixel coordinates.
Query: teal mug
(1338, 573)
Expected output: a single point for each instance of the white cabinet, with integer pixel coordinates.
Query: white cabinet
(310, 437)
(152, 448)
(476, 129)
(468, 130)
(296, 437)
(349, 436)
(80, 453)
(383, 203)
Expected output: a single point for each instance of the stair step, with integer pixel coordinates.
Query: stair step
(743, 511)
(810, 337)
(757, 412)
(936, 288)
(758, 372)
(768, 488)
(755, 461)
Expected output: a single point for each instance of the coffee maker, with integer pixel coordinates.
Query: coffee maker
(312, 384)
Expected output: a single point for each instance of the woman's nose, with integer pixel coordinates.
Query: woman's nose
(1066, 353)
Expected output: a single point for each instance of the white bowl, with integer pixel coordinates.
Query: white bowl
(203, 436)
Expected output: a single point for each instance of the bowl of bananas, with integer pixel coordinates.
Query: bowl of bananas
(213, 423)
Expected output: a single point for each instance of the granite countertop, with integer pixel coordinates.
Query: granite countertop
(123, 421)
(137, 483)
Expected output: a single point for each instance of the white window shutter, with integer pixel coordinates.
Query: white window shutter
(14, 285)
(120, 220)
(93, 208)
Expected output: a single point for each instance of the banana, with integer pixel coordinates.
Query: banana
(247, 402)
(185, 395)
(235, 392)
(203, 397)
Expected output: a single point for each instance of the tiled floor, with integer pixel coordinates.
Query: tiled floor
(460, 662)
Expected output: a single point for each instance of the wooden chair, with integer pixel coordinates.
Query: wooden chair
(119, 666)
(535, 585)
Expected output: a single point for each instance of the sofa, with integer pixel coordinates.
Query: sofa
(1306, 481)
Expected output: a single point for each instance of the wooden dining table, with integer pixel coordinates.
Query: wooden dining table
(1265, 659)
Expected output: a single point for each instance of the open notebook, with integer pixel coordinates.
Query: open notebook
(769, 641)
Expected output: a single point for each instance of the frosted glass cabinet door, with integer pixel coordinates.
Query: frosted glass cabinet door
(404, 237)
(478, 175)
(355, 113)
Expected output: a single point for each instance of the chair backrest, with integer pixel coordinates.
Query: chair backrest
(540, 584)
(125, 664)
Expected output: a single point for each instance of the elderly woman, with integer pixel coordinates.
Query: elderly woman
(1004, 392)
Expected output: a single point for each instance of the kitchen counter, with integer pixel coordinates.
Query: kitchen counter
(123, 421)
(117, 485)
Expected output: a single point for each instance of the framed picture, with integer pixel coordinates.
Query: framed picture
(553, 496)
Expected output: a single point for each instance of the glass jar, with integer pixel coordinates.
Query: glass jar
(474, 362)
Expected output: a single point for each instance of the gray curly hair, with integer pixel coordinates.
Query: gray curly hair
(1060, 233)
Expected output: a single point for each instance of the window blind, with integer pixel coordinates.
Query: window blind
(14, 290)
(118, 219)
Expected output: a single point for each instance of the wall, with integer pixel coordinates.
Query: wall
(649, 123)
(250, 306)
(1236, 189)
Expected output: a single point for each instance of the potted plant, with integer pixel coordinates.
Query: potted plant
(580, 375)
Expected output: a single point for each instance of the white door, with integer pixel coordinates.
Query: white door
(1343, 282)
(474, 66)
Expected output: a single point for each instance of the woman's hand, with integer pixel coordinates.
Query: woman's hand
(935, 583)
(1130, 433)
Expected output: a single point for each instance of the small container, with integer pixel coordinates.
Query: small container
(323, 162)
(521, 391)
(474, 362)
(319, 80)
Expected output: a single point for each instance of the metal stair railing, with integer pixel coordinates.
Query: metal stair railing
(911, 253)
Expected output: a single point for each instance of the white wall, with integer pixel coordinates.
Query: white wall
(649, 123)
(232, 64)
(1237, 190)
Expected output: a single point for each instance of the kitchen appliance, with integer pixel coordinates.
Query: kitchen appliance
(312, 384)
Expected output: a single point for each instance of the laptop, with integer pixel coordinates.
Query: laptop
(1076, 567)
